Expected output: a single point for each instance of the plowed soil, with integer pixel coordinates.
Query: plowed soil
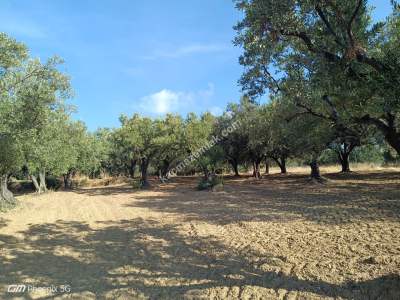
(282, 237)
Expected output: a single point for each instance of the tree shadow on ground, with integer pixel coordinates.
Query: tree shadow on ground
(146, 259)
(3, 222)
(111, 190)
(104, 191)
(280, 199)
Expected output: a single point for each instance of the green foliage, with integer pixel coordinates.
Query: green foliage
(333, 83)
(209, 183)
(11, 155)
(53, 183)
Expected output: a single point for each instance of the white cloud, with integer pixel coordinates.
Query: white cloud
(168, 101)
(187, 50)
(163, 101)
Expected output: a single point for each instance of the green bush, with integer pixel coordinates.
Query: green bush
(21, 186)
(53, 183)
(206, 184)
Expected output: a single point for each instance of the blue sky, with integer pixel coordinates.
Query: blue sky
(127, 56)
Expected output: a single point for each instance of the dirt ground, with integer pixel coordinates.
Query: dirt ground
(277, 238)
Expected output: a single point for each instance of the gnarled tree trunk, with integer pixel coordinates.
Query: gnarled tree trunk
(344, 154)
(132, 168)
(165, 168)
(68, 180)
(144, 165)
(256, 169)
(42, 178)
(235, 166)
(387, 127)
(281, 162)
(6, 196)
(315, 173)
(36, 184)
(266, 166)
(344, 161)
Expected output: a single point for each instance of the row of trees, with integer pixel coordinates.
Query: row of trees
(333, 83)
(263, 134)
(331, 74)
(329, 67)
(36, 131)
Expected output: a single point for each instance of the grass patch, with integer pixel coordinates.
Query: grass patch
(7, 205)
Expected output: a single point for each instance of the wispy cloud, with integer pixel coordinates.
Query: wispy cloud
(168, 101)
(187, 50)
(21, 27)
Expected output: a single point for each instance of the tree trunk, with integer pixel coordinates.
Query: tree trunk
(256, 169)
(143, 169)
(235, 167)
(344, 161)
(206, 173)
(266, 166)
(315, 173)
(6, 196)
(344, 154)
(68, 180)
(36, 184)
(165, 168)
(132, 168)
(388, 128)
(282, 164)
(393, 139)
(25, 172)
(42, 178)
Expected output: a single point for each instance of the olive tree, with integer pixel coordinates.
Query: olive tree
(337, 44)
(146, 136)
(28, 91)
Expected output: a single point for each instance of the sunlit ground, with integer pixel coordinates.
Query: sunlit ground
(281, 237)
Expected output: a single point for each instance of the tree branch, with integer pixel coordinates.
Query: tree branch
(367, 119)
(351, 22)
(278, 88)
(312, 112)
(310, 46)
(334, 114)
(328, 25)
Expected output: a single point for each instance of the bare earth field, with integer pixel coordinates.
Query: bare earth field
(278, 238)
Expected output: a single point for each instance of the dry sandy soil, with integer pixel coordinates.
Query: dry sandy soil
(277, 238)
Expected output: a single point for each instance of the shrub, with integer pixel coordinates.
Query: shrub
(53, 183)
(206, 184)
(203, 185)
(21, 186)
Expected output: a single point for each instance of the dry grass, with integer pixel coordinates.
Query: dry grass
(276, 238)
(355, 167)
(85, 182)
